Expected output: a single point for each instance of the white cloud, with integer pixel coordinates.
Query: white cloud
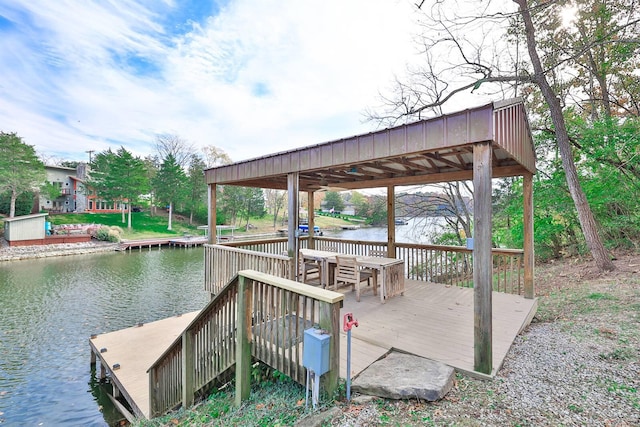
(256, 78)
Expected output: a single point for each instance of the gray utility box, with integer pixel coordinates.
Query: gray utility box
(315, 353)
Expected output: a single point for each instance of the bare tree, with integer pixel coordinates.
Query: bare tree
(180, 149)
(481, 53)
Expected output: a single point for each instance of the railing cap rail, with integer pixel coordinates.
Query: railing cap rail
(319, 294)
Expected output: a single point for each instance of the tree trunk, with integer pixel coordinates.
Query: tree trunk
(170, 214)
(12, 206)
(585, 216)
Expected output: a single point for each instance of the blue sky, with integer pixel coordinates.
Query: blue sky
(250, 77)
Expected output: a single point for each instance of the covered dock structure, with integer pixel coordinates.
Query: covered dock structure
(477, 144)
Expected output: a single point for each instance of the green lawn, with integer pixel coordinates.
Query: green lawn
(143, 225)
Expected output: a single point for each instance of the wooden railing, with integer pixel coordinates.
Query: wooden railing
(222, 262)
(205, 350)
(257, 315)
(452, 265)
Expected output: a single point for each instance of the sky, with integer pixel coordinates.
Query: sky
(251, 77)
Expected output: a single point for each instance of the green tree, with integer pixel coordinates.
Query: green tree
(119, 177)
(197, 185)
(171, 185)
(20, 169)
(531, 52)
(252, 204)
(333, 200)
(360, 203)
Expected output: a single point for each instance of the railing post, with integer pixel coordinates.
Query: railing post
(188, 370)
(153, 393)
(243, 344)
(330, 321)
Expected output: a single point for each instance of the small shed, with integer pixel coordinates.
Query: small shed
(25, 230)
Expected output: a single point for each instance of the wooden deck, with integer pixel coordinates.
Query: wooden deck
(184, 242)
(431, 320)
(434, 321)
(135, 350)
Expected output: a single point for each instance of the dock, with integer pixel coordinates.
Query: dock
(125, 356)
(433, 321)
(183, 242)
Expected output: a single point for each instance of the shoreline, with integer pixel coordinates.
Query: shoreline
(17, 253)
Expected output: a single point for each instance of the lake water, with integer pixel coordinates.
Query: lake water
(49, 309)
(417, 230)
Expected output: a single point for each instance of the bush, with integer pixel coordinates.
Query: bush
(109, 234)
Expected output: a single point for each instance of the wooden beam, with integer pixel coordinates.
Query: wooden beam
(293, 182)
(482, 259)
(311, 243)
(243, 343)
(529, 286)
(391, 222)
(212, 213)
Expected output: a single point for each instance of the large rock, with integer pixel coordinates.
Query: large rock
(403, 376)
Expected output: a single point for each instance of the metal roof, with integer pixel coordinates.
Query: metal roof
(439, 149)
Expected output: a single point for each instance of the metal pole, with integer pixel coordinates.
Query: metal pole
(349, 365)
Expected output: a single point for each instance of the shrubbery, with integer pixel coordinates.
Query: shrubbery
(109, 234)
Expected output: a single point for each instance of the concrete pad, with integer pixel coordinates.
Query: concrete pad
(404, 376)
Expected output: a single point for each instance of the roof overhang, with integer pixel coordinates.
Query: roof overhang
(434, 150)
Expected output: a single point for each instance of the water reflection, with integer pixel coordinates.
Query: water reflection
(49, 309)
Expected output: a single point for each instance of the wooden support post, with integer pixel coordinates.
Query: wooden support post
(212, 214)
(311, 243)
(93, 358)
(103, 371)
(529, 262)
(330, 321)
(391, 222)
(243, 343)
(482, 260)
(188, 369)
(293, 183)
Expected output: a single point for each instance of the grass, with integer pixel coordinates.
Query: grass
(143, 225)
(275, 400)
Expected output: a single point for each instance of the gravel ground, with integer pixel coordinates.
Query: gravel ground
(577, 364)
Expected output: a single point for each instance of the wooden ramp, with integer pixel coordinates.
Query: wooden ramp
(134, 350)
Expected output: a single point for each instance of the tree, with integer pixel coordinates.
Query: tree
(170, 185)
(20, 169)
(360, 204)
(196, 184)
(482, 53)
(275, 201)
(215, 156)
(119, 177)
(333, 201)
(252, 203)
(169, 144)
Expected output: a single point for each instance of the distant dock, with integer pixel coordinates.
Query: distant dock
(183, 242)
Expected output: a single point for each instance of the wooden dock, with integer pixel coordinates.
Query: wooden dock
(183, 242)
(431, 320)
(125, 356)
